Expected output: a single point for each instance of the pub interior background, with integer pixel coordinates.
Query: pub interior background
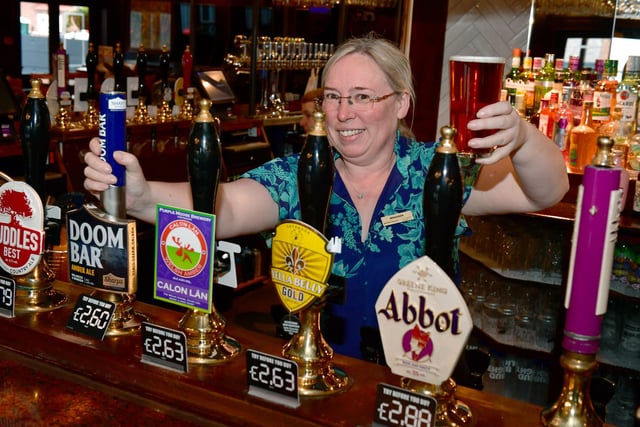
(430, 32)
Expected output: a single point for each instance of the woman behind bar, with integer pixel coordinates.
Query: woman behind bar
(380, 171)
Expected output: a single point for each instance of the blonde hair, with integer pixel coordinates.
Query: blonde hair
(392, 61)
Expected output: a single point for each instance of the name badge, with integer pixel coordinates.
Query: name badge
(397, 218)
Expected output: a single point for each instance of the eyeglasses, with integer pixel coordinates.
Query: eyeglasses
(358, 101)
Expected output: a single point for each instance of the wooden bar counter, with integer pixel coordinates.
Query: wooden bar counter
(207, 394)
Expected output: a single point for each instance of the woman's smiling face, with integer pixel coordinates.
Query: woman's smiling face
(359, 132)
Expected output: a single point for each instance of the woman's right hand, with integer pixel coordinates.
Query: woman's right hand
(98, 177)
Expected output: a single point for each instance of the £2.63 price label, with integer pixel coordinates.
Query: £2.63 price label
(164, 347)
(398, 407)
(273, 378)
(91, 316)
(7, 296)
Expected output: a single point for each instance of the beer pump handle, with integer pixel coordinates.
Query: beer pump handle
(119, 84)
(442, 202)
(187, 67)
(35, 124)
(164, 67)
(141, 67)
(204, 159)
(595, 231)
(315, 175)
(92, 61)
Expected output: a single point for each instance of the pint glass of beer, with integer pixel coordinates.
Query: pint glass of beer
(476, 81)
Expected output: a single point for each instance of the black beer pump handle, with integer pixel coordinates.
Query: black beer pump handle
(35, 124)
(92, 62)
(442, 202)
(119, 84)
(141, 67)
(204, 159)
(164, 67)
(315, 176)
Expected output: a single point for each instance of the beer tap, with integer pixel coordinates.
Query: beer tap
(90, 119)
(600, 200)
(442, 204)
(119, 82)
(34, 289)
(141, 114)
(164, 109)
(308, 348)
(206, 339)
(62, 119)
(185, 92)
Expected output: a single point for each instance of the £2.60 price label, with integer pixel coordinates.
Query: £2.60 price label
(398, 407)
(91, 316)
(273, 378)
(164, 347)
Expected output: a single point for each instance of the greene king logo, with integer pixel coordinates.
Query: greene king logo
(184, 248)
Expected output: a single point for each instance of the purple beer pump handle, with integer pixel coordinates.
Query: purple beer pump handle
(593, 242)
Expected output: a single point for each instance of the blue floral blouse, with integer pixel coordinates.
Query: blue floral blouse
(368, 265)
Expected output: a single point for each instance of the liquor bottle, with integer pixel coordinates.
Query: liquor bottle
(633, 158)
(442, 202)
(627, 93)
(559, 75)
(35, 124)
(584, 92)
(119, 82)
(604, 94)
(62, 69)
(562, 125)
(572, 73)
(598, 70)
(526, 90)
(547, 114)
(544, 80)
(582, 141)
(511, 81)
(315, 175)
(535, 117)
(620, 132)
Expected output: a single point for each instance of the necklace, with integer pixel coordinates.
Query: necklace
(361, 194)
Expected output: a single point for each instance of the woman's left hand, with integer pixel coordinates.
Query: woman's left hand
(510, 131)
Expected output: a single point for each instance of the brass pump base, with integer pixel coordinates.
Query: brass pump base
(574, 406)
(35, 292)
(206, 340)
(450, 411)
(316, 376)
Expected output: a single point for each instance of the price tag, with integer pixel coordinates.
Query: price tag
(273, 378)
(91, 316)
(7, 297)
(398, 407)
(164, 347)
